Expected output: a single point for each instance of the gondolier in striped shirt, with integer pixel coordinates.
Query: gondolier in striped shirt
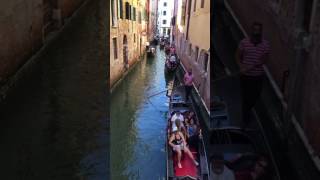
(252, 54)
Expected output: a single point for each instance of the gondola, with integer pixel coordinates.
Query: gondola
(151, 51)
(171, 66)
(189, 170)
(162, 44)
(242, 150)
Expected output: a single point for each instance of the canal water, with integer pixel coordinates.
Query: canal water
(53, 123)
(138, 122)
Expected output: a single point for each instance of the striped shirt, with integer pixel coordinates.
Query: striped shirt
(252, 55)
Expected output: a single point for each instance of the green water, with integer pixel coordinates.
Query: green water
(138, 123)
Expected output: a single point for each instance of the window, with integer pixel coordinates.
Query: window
(190, 49)
(130, 12)
(164, 4)
(134, 37)
(164, 22)
(202, 3)
(127, 10)
(115, 48)
(133, 13)
(183, 14)
(196, 53)
(195, 5)
(121, 9)
(205, 61)
(164, 13)
(139, 17)
(114, 12)
(173, 20)
(164, 31)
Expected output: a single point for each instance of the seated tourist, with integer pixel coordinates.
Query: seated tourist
(172, 58)
(179, 144)
(181, 128)
(192, 133)
(257, 172)
(190, 115)
(176, 116)
(218, 169)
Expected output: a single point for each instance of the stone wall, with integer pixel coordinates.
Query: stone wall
(20, 33)
(69, 6)
(22, 30)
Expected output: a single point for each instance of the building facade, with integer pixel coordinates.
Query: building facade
(25, 27)
(165, 13)
(293, 29)
(193, 43)
(152, 19)
(128, 35)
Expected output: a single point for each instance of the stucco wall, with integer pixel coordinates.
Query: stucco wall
(199, 35)
(129, 29)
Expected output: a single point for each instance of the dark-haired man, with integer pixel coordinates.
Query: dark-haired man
(252, 54)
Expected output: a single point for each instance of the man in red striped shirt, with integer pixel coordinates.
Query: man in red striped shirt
(252, 54)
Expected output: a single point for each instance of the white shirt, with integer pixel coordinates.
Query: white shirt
(227, 174)
(175, 117)
(172, 58)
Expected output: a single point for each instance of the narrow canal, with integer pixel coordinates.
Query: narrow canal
(53, 123)
(138, 123)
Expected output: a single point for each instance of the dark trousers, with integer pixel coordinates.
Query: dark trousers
(251, 87)
(188, 92)
(193, 141)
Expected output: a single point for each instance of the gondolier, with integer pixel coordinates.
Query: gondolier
(188, 80)
(252, 54)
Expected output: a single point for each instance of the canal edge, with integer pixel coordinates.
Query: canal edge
(125, 73)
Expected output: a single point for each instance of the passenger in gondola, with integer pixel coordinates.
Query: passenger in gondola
(193, 133)
(167, 50)
(181, 128)
(219, 171)
(172, 60)
(259, 170)
(172, 49)
(177, 116)
(179, 144)
(190, 115)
